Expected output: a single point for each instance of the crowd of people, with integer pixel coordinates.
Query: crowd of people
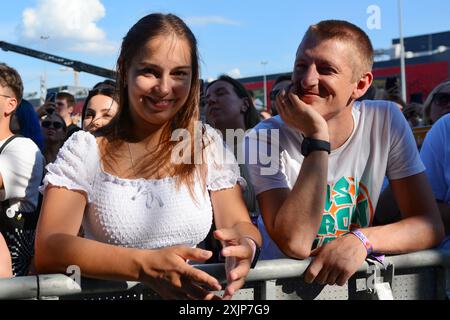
(144, 190)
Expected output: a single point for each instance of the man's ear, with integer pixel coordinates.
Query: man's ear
(11, 106)
(362, 85)
(70, 110)
(245, 105)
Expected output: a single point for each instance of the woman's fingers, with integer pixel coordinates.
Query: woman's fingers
(201, 277)
(194, 291)
(226, 234)
(232, 287)
(240, 252)
(240, 271)
(194, 254)
(188, 271)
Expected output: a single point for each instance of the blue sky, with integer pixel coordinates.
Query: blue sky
(234, 36)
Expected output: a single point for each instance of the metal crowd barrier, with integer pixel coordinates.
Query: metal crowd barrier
(419, 275)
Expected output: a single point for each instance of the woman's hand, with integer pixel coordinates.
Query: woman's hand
(238, 252)
(168, 274)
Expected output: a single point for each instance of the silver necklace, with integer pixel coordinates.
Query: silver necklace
(132, 163)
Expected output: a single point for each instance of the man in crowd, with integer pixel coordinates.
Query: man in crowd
(21, 170)
(65, 103)
(329, 157)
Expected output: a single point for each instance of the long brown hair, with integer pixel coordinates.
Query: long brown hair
(117, 132)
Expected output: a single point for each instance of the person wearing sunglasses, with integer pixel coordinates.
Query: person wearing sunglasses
(282, 82)
(100, 106)
(437, 103)
(54, 130)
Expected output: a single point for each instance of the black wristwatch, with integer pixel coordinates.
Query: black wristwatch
(256, 257)
(257, 252)
(309, 145)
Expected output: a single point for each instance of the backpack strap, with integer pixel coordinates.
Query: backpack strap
(8, 141)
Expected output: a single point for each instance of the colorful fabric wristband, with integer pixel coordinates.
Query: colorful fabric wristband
(369, 247)
(364, 240)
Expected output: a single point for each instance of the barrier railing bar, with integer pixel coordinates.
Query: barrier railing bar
(62, 285)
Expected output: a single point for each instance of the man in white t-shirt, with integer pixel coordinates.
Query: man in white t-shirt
(21, 169)
(320, 165)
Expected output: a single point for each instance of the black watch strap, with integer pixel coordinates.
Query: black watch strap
(309, 145)
(257, 252)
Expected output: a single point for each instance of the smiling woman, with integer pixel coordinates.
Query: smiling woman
(142, 214)
(100, 106)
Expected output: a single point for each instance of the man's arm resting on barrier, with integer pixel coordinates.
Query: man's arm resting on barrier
(292, 217)
(420, 228)
(421, 225)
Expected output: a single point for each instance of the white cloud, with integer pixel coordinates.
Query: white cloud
(234, 73)
(207, 20)
(68, 25)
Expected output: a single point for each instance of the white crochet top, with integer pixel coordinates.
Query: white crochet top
(141, 213)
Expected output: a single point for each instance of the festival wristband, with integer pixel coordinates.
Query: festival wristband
(368, 245)
(364, 240)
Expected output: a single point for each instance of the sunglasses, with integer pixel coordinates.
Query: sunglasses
(441, 99)
(57, 125)
(273, 94)
(49, 111)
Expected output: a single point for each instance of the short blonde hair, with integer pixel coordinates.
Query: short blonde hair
(350, 33)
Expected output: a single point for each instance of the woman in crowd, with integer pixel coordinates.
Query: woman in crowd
(437, 103)
(99, 107)
(229, 106)
(148, 204)
(54, 131)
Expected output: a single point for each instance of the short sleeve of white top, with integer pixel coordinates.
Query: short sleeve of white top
(381, 144)
(140, 213)
(435, 154)
(21, 167)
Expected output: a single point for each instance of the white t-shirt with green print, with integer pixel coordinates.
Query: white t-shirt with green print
(381, 144)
